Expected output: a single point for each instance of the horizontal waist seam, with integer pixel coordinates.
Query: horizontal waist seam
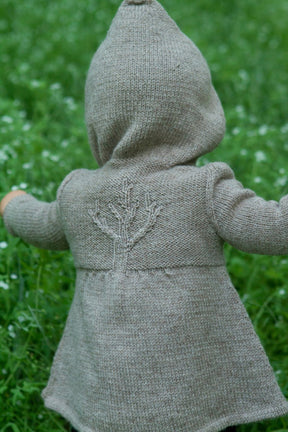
(128, 270)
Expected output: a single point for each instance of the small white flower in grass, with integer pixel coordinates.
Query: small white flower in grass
(257, 180)
(16, 143)
(239, 109)
(54, 158)
(282, 292)
(3, 156)
(24, 67)
(69, 101)
(3, 245)
(251, 133)
(6, 148)
(260, 156)
(36, 191)
(26, 127)
(35, 83)
(11, 332)
(50, 186)
(13, 276)
(40, 416)
(284, 129)
(253, 119)
(214, 67)
(64, 143)
(55, 86)
(281, 181)
(243, 74)
(245, 298)
(4, 285)
(7, 119)
(263, 130)
(236, 131)
(20, 186)
(243, 152)
(282, 171)
(4, 371)
(27, 165)
(45, 153)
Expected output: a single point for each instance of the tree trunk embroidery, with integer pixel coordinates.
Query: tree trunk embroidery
(124, 239)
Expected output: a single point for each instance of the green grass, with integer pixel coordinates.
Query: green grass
(46, 48)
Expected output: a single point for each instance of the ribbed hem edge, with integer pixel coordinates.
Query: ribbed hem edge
(61, 408)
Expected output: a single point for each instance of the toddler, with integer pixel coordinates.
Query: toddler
(157, 338)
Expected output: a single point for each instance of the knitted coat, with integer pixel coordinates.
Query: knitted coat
(157, 338)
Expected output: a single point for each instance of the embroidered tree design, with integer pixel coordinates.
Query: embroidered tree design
(124, 239)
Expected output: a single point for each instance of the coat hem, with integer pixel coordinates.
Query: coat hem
(65, 411)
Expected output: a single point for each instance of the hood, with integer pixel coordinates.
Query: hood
(149, 98)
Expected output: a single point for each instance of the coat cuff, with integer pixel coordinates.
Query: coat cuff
(11, 210)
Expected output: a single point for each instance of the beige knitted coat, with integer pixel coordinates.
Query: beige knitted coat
(157, 339)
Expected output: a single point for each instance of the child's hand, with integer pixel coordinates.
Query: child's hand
(8, 198)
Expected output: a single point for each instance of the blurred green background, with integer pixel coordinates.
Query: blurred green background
(45, 51)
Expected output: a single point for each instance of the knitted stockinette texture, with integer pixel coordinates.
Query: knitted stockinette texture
(157, 338)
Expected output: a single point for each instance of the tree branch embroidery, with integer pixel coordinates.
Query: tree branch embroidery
(125, 214)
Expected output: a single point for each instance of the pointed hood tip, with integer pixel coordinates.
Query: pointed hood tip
(138, 2)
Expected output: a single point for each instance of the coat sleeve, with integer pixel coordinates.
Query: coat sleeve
(243, 219)
(36, 222)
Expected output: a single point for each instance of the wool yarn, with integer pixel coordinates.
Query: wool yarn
(157, 338)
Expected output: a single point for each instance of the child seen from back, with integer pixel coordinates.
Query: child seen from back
(157, 338)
